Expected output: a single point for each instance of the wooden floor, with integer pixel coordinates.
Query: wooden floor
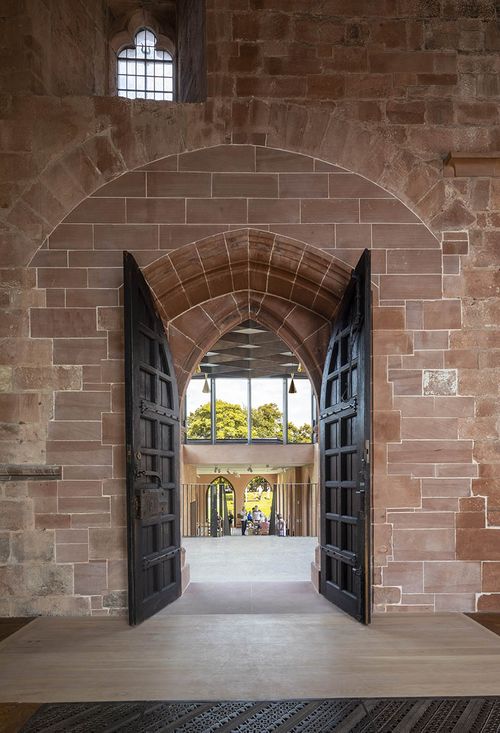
(249, 656)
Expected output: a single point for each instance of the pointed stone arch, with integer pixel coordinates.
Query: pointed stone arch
(206, 288)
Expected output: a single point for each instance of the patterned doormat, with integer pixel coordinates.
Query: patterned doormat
(398, 715)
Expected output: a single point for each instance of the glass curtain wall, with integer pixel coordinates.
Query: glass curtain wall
(249, 410)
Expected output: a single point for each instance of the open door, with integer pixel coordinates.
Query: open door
(345, 417)
(152, 453)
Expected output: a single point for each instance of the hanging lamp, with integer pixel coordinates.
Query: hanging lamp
(292, 388)
(206, 386)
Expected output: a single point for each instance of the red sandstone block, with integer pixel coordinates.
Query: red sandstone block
(478, 544)
(431, 451)
(403, 236)
(424, 544)
(431, 339)
(91, 258)
(443, 487)
(406, 381)
(77, 452)
(305, 185)
(491, 577)
(387, 61)
(125, 237)
(88, 297)
(457, 577)
(103, 211)
(90, 579)
(436, 427)
(319, 235)
(84, 504)
(350, 185)
(71, 489)
(332, 210)
(50, 258)
(446, 313)
(272, 160)
(81, 405)
(396, 287)
(237, 158)
(353, 236)
(409, 575)
(220, 210)
(74, 430)
(455, 248)
(55, 298)
(72, 553)
(61, 323)
(106, 277)
(60, 277)
(71, 236)
(156, 211)
(325, 86)
(170, 163)
(368, 86)
(79, 351)
(129, 184)
(391, 342)
(245, 185)
(421, 520)
(423, 360)
(274, 210)
(78, 473)
(392, 319)
(52, 521)
(414, 261)
(405, 113)
(113, 429)
(385, 210)
(71, 536)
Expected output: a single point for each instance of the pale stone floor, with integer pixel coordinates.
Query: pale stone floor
(270, 637)
(249, 558)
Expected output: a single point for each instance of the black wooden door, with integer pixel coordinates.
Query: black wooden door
(152, 453)
(345, 418)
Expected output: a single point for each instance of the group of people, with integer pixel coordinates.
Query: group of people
(257, 519)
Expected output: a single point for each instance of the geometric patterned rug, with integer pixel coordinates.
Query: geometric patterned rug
(396, 715)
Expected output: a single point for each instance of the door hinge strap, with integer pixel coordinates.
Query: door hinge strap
(348, 557)
(341, 407)
(148, 562)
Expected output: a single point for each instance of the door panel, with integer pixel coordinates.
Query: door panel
(153, 453)
(345, 418)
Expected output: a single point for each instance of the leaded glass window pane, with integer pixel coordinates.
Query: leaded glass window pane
(144, 72)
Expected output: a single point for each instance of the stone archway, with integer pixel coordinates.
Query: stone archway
(206, 288)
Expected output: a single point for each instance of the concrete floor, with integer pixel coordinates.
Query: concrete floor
(249, 558)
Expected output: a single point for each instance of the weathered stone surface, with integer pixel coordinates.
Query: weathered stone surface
(440, 381)
(15, 515)
(4, 547)
(32, 546)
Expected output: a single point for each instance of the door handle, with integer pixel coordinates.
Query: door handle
(149, 474)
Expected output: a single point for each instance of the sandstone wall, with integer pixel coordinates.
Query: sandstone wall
(382, 89)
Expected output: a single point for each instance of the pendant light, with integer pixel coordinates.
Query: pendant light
(206, 386)
(292, 388)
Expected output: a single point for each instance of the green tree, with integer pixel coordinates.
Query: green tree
(267, 421)
(298, 434)
(231, 423)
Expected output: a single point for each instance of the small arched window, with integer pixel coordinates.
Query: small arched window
(144, 72)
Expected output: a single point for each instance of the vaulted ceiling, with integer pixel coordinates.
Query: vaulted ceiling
(249, 350)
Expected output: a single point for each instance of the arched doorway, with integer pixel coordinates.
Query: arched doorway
(220, 507)
(259, 497)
